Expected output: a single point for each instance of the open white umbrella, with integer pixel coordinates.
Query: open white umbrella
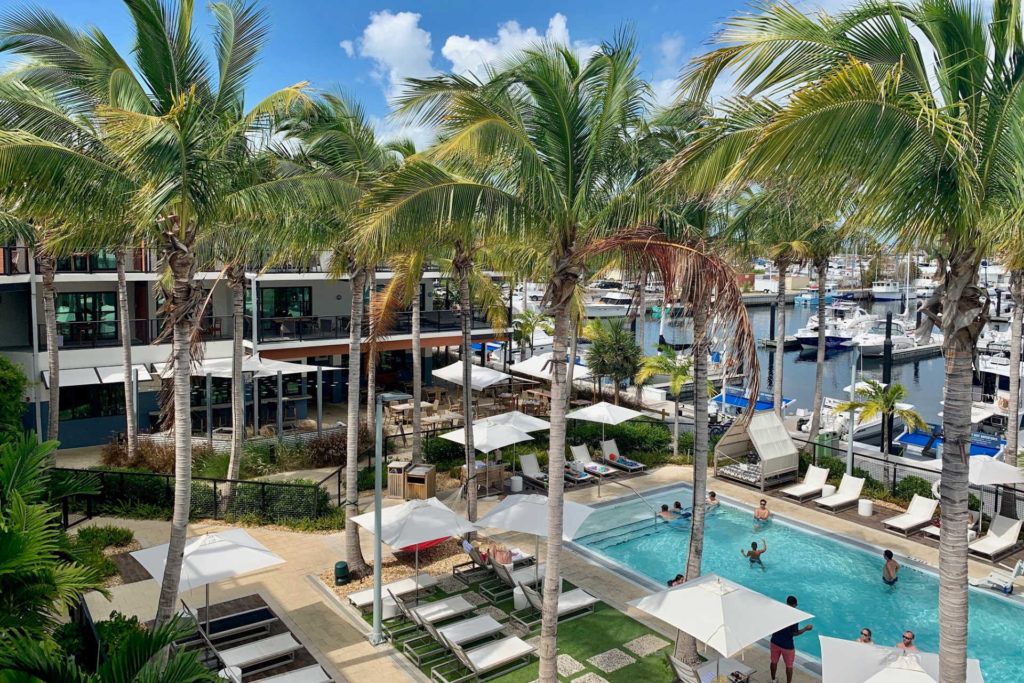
(983, 470)
(516, 419)
(528, 514)
(487, 437)
(210, 558)
(724, 615)
(848, 661)
(605, 413)
(414, 523)
(480, 376)
(539, 366)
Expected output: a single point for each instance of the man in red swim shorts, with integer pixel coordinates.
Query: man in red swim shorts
(782, 645)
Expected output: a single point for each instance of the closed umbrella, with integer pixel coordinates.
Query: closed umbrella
(849, 661)
(528, 514)
(605, 413)
(211, 558)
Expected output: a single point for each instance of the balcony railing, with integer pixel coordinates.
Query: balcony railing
(13, 260)
(136, 260)
(106, 333)
(311, 328)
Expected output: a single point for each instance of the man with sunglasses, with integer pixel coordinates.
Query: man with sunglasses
(907, 644)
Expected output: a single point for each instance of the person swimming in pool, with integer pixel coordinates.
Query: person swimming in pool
(712, 501)
(762, 514)
(667, 514)
(679, 511)
(754, 554)
(890, 569)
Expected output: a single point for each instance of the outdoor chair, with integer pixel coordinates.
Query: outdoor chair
(436, 612)
(845, 496)
(919, 514)
(531, 471)
(581, 454)
(308, 674)
(571, 605)
(705, 673)
(972, 530)
(479, 568)
(232, 628)
(404, 587)
(484, 662)
(812, 485)
(1001, 538)
(506, 580)
(1001, 580)
(611, 455)
(577, 475)
(436, 642)
(261, 655)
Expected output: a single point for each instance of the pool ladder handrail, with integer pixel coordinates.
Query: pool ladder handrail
(646, 502)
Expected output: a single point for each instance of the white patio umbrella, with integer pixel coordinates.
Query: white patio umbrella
(847, 661)
(416, 522)
(480, 377)
(539, 366)
(720, 613)
(605, 413)
(983, 470)
(528, 514)
(487, 437)
(514, 418)
(211, 558)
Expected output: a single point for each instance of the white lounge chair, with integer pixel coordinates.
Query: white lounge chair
(972, 530)
(919, 514)
(705, 673)
(847, 494)
(571, 604)
(414, 584)
(581, 454)
(309, 674)
(507, 580)
(814, 481)
(438, 639)
(611, 454)
(412, 618)
(1000, 580)
(484, 662)
(532, 472)
(1001, 538)
(262, 654)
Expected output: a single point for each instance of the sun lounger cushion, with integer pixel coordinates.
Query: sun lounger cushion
(934, 532)
(494, 655)
(610, 450)
(1001, 537)
(919, 513)
(468, 630)
(259, 651)
(574, 600)
(309, 674)
(814, 481)
(849, 491)
(528, 575)
(412, 584)
(433, 612)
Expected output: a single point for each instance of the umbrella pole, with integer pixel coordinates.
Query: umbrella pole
(417, 572)
(207, 609)
(536, 559)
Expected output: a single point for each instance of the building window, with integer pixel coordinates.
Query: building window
(285, 302)
(87, 315)
(93, 400)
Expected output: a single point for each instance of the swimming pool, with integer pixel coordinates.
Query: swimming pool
(839, 582)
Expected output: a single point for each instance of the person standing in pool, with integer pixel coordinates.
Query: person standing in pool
(890, 569)
(782, 646)
(679, 511)
(666, 514)
(754, 555)
(712, 501)
(761, 514)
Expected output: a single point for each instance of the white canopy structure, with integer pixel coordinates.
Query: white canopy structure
(211, 558)
(719, 613)
(481, 377)
(765, 439)
(539, 366)
(114, 374)
(107, 374)
(254, 365)
(847, 661)
(489, 437)
(516, 419)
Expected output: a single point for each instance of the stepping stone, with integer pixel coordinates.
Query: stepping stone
(493, 611)
(610, 661)
(475, 598)
(646, 645)
(590, 677)
(567, 666)
(517, 630)
(449, 584)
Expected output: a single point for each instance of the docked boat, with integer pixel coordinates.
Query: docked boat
(886, 290)
(927, 443)
(732, 401)
(872, 342)
(843, 321)
(838, 422)
(611, 304)
(809, 296)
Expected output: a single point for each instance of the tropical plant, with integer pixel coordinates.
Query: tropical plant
(679, 370)
(613, 351)
(12, 403)
(140, 656)
(534, 152)
(876, 399)
(918, 103)
(524, 329)
(1009, 244)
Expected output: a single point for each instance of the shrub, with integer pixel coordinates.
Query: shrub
(332, 520)
(134, 486)
(836, 467)
(908, 486)
(113, 631)
(128, 510)
(212, 465)
(365, 479)
(93, 558)
(277, 502)
(69, 639)
(327, 450)
(442, 452)
(203, 503)
(151, 456)
(105, 536)
(648, 442)
(12, 399)
(291, 457)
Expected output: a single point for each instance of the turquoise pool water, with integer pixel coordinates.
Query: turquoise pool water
(837, 582)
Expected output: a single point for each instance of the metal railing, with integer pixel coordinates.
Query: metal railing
(105, 333)
(305, 328)
(137, 260)
(14, 260)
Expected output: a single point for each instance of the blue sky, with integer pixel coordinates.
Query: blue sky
(367, 48)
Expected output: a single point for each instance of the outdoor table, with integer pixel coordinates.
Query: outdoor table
(406, 407)
(865, 507)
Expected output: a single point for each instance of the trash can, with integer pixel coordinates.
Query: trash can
(420, 482)
(341, 573)
(823, 445)
(396, 478)
(515, 484)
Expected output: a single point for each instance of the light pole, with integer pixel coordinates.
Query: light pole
(377, 637)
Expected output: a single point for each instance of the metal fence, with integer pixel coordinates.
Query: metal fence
(117, 492)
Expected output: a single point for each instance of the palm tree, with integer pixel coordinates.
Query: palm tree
(917, 102)
(130, 413)
(1010, 246)
(554, 126)
(613, 351)
(524, 329)
(167, 147)
(679, 370)
(140, 656)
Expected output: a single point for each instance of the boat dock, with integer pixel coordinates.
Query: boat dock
(917, 353)
(790, 343)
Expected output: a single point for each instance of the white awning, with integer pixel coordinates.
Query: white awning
(540, 367)
(74, 377)
(259, 367)
(114, 374)
(773, 444)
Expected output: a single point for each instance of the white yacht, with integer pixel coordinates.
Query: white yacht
(844, 320)
(611, 304)
(872, 341)
(886, 290)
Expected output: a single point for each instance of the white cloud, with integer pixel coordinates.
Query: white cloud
(669, 52)
(472, 56)
(387, 130)
(670, 47)
(347, 46)
(399, 48)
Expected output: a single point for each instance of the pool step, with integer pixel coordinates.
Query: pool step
(597, 536)
(609, 538)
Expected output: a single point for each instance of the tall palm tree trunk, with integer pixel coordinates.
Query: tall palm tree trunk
(353, 551)
(417, 378)
(695, 552)
(463, 265)
(641, 323)
(563, 287)
(570, 370)
(47, 266)
(130, 415)
(236, 280)
(182, 319)
(819, 369)
(780, 336)
(371, 372)
(1010, 453)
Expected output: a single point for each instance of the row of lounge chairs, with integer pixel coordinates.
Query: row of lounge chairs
(1001, 538)
(587, 469)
